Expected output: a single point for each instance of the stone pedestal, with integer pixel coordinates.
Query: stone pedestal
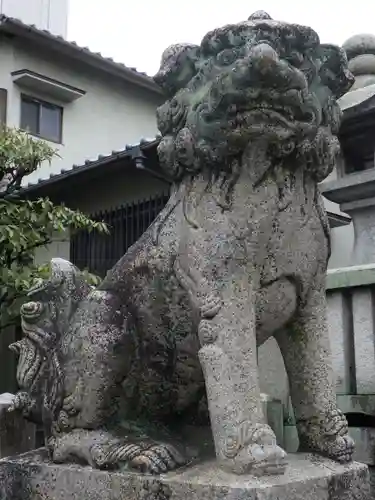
(17, 435)
(308, 477)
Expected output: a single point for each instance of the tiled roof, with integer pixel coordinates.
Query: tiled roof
(58, 44)
(130, 151)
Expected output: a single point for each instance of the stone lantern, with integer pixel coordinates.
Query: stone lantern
(354, 189)
(351, 290)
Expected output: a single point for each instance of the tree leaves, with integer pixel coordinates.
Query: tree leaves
(20, 155)
(26, 225)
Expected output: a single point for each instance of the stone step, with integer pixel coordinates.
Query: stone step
(33, 477)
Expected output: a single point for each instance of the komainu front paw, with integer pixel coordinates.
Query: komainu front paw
(102, 451)
(253, 448)
(147, 457)
(327, 435)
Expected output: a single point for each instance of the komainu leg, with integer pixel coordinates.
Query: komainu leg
(305, 347)
(243, 441)
(224, 300)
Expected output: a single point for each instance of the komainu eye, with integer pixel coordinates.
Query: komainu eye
(295, 58)
(227, 56)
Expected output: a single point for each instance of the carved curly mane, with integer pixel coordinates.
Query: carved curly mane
(221, 97)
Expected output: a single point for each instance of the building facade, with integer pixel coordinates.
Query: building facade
(81, 103)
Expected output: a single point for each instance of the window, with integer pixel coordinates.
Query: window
(41, 118)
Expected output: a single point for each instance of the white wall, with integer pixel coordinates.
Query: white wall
(110, 115)
(50, 15)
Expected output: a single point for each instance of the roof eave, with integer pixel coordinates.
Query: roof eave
(70, 49)
(89, 165)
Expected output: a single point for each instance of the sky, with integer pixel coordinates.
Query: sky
(135, 32)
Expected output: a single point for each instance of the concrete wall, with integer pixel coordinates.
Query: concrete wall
(110, 114)
(51, 15)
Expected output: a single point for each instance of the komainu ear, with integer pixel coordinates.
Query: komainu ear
(334, 72)
(177, 67)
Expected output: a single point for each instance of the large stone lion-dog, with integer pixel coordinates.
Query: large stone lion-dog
(238, 254)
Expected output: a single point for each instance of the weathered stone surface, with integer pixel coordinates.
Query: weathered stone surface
(238, 254)
(31, 477)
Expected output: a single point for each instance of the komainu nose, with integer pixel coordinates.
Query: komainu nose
(263, 51)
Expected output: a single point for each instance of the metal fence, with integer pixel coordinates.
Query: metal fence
(97, 252)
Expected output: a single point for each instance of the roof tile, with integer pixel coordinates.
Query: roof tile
(11, 24)
(95, 162)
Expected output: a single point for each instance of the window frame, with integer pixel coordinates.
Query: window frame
(40, 102)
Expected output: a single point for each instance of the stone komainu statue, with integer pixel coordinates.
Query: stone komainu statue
(238, 254)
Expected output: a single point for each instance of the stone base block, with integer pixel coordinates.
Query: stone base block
(308, 477)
